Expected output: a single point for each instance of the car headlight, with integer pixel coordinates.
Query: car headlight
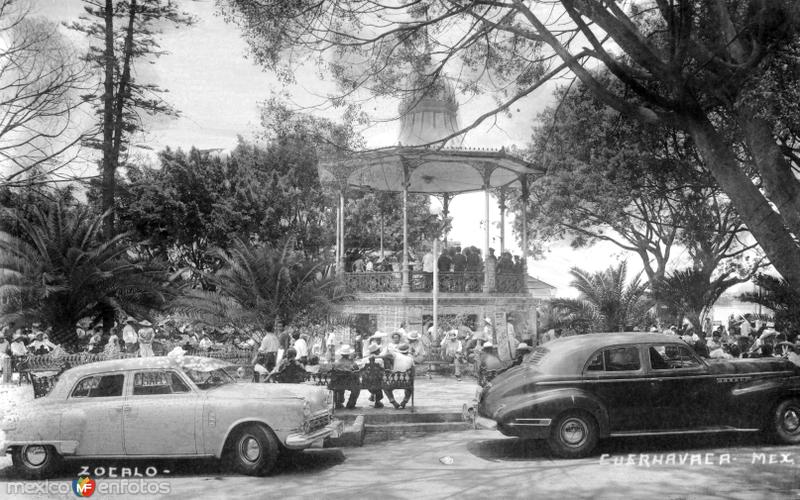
(306, 409)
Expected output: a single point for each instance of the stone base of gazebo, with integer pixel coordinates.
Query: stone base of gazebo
(386, 311)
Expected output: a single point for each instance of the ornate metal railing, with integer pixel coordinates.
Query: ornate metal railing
(451, 282)
(373, 282)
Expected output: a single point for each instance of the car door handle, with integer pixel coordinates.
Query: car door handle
(126, 408)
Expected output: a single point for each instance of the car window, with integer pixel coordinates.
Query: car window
(99, 386)
(157, 382)
(615, 359)
(671, 356)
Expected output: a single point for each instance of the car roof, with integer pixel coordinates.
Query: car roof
(152, 362)
(568, 354)
(67, 379)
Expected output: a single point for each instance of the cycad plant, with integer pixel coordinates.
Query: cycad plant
(58, 268)
(257, 283)
(607, 301)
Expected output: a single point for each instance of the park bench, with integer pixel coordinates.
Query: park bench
(435, 360)
(372, 377)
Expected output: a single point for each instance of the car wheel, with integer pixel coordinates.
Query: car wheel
(574, 435)
(786, 421)
(36, 461)
(253, 450)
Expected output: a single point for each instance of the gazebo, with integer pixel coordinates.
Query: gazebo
(429, 160)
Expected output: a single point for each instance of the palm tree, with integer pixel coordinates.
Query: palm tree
(606, 302)
(256, 284)
(690, 293)
(59, 268)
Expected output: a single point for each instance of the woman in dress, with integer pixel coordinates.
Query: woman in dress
(146, 336)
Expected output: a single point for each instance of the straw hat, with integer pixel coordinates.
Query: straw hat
(345, 350)
(523, 347)
(145, 323)
(403, 348)
(487, 320)
(413, 335)
(488, 345)
(373, 347)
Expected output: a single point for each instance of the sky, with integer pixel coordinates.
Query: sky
(218, 90)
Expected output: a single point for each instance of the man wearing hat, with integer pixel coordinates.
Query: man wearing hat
(417, 348)
(129, 336)
(38, 347)
(373, 358)
(146, 336)
(452, 351)
(347, 369)
(522, 350)
(401, 362)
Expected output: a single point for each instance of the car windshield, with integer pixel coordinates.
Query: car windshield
(208, 378)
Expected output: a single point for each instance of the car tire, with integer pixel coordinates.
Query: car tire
(786, 421)
(36, 461)
(253, 450)
(574, 435)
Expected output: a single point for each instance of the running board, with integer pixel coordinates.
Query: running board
(668, 432)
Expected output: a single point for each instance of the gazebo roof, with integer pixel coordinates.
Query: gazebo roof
(428, 170)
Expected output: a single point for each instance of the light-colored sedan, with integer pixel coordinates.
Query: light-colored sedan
(166, 407)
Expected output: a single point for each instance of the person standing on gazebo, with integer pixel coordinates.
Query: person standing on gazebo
(444, 261)
(428, 261)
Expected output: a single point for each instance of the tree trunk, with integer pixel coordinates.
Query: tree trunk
(780, 184)
(109, 165)
(764, 223)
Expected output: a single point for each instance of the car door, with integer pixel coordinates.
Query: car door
(159, 415)
(94, 415)
(683, 392)
(615, 376)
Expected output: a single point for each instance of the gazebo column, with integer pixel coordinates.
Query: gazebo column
(501, 202)
(340, 264)
(489, 265)
(446, 197)
(524, 194)
(405, 287)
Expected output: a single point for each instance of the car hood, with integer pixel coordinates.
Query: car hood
(751, 365)
(250, 390)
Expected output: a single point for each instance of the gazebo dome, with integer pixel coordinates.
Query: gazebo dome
(429, 113)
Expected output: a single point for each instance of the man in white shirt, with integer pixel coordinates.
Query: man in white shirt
(402, 362)
(129, 336)
(301, 346)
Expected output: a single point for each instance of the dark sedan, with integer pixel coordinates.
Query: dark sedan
(576, 390)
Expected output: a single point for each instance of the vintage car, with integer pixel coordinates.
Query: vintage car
(166, 407)
(576, 390)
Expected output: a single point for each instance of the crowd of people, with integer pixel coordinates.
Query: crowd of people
(450, 260)
(743, 336)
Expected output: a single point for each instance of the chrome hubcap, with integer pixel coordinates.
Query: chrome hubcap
(35, 455)
(791, 421)
(573, 432)
(251, 450)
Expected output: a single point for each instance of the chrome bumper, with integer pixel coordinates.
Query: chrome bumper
(470, 415)
(299, 441)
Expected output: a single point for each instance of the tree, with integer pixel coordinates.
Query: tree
(40, 79)
(723, 71)
(641, 187)
(124, 98)
(258, 283)
(606, 300)
(61, 269)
